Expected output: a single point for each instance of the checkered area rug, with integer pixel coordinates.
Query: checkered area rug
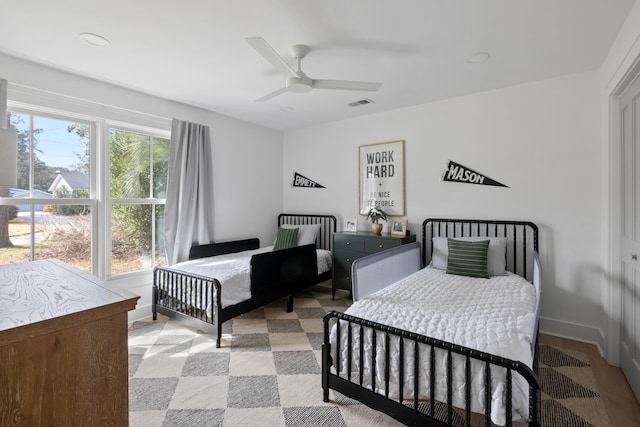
(266, 373)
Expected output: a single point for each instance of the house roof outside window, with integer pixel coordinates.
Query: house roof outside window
(73, 181)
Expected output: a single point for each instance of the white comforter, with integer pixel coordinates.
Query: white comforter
(233, 273)
(492, 315)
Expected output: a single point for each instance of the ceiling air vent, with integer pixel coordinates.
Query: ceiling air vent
(361, 102)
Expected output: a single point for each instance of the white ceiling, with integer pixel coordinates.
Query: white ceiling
(194, 51)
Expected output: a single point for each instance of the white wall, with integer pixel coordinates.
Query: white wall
(541, 139)
(247, 158)
(622, 63)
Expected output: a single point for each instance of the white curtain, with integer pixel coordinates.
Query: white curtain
(188, 214)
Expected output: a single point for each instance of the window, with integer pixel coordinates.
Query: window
(47, 210)
(58, 206)
(137, 185)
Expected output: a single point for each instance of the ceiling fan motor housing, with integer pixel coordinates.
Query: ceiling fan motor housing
(299, 84)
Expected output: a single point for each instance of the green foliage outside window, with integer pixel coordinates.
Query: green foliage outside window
(65, 193)
(138, 170)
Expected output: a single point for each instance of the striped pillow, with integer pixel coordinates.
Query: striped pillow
(287, 238)
(468, 258)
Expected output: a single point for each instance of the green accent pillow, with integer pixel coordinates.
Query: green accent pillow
(468, 258)
(287, 238)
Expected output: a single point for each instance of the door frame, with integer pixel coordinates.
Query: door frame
(613, 294)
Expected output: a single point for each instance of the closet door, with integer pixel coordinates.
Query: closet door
(630, 234)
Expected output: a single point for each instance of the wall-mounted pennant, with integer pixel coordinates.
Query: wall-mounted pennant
(457, 173)
(303, 181)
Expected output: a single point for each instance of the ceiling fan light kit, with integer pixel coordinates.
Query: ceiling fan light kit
(298, 81)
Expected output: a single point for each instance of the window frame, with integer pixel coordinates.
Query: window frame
(32, 201)
(109, 202)
(99, 199)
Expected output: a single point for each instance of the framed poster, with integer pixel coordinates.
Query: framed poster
(382, 177)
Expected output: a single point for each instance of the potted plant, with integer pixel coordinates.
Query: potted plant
(376, 214)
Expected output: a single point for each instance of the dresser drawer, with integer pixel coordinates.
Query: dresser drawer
(378, 244)
(342, 262)
(345, 242)
(346, 258)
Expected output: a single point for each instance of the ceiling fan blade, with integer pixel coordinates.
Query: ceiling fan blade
(265, 49)
(271, 95)
(346, 85)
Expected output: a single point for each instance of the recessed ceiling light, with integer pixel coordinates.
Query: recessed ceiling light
(286, 109)
(94, 39)
(478, 57)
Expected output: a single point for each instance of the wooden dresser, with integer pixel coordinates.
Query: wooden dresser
(349, 246)
(63, 347)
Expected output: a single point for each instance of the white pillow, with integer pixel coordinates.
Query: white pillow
(496, 255)
(306, 233)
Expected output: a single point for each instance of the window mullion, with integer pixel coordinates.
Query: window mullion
(104, 231)
(31, 158)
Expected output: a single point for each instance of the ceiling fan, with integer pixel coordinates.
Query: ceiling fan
(298, 81)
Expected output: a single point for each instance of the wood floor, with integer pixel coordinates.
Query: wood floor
(622, 407)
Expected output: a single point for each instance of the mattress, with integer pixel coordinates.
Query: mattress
(493, 315)
(233, 273)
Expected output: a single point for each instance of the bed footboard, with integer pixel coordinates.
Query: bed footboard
(192, 299)
(416, 359)
(214, 249)
(281, 273)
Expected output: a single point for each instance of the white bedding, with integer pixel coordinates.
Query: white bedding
(233, 273)
(492, 315)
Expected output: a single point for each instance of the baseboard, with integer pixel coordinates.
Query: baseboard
(573, 331)
(140, 312)
(139, 284)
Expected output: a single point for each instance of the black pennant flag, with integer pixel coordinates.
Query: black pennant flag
(457, 173)
(302, 181)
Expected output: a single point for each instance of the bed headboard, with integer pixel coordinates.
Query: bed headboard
(522, 239)
(327, 226)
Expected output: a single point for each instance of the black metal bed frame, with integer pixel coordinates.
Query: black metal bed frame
(522, 243)
(426, 410)
(273, 283)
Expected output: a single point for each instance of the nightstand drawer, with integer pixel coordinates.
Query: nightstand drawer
(345, 242)
(378, 244)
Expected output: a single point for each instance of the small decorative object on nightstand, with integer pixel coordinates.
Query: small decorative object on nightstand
(376, 214)
(347, 247)
(351, 224)
(399, 227)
